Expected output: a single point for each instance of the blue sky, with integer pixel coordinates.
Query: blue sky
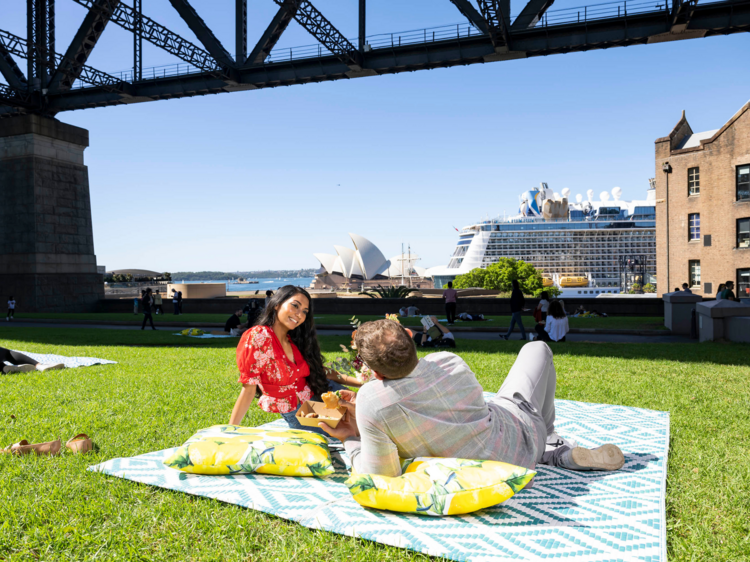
(264, 179)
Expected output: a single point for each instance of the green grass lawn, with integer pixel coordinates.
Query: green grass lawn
(612, 323)
(52, 509)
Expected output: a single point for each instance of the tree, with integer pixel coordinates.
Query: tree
(474, 279)
(167, 276)
(500, 276)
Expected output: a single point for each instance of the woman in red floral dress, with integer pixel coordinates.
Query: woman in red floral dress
(281, 355)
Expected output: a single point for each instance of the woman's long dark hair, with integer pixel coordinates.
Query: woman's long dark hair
(303, 336)
(556, 310)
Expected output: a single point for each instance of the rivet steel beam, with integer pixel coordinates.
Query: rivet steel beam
(155, 33)
(83, 44)
(240, 32)
(495, 15)
(362, 24)
(531, 14)
(323, 30)
(470, 13)
(14, 76)
(16, 98)
(273, 33)
(203, 33)
(17, 46)
(137, 40)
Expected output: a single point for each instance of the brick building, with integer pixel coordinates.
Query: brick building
(703, 207)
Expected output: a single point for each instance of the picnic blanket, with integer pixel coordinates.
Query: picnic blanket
(588, 516)
(70, 362)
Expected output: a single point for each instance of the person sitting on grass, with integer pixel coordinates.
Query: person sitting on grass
(20, 363)
(233, 326)
(434, 407)
(436, 335)
(281, 356)
(556, 326)
(471, 317)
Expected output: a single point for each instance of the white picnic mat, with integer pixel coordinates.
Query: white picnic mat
(70, 362)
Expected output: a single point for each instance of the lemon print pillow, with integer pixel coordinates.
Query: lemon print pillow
(231, 449)
(440, 486)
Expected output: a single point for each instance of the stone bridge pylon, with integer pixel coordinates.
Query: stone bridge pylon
(47, 259)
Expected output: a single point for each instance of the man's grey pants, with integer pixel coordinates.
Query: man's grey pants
(531, 385)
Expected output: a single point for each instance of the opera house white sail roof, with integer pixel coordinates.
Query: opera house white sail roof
(366, 261)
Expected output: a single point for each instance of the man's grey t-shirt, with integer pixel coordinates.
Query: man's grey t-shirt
(438, 410)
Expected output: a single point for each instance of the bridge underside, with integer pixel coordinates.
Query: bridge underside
(692, 21)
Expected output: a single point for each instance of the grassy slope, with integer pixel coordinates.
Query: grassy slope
(52, 509)
(617, 322)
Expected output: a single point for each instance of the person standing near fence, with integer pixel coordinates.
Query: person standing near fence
(11, 309)
(158, 303)
(179, 301)
(451, 296)
(175, 302)
(146, 303)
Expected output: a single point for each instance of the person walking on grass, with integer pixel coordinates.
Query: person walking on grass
(158, 303)
(517, 302)
(146, 303)
(450, 295)
(11, 309)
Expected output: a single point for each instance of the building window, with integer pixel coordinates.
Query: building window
(743, 233)
(743, 283)
(694, 226)
(743, 182)
(694, 273)
(694, 181)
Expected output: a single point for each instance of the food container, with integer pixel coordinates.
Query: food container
(323, 412)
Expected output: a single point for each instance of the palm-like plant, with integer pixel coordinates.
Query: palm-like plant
(389, 292)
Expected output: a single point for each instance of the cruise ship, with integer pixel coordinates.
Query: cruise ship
(586, 248)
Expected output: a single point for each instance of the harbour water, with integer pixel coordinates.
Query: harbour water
(262, 285)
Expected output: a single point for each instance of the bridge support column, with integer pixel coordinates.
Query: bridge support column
(47, 259)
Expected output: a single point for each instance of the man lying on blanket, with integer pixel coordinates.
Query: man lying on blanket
(434, 407)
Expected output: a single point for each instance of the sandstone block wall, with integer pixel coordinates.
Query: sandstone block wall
(47, 256)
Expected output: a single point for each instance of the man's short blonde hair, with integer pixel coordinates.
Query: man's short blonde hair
(386, 347)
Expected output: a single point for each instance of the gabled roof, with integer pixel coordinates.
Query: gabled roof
(682, 136)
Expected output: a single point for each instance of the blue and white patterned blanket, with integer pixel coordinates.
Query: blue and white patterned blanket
(70, 362)
(588, 516)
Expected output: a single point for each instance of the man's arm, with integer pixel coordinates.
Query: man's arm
(373, 452)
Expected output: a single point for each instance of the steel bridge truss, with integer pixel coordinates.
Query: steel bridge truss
(55, 82)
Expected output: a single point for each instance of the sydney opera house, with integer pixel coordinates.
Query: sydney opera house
(365, 266)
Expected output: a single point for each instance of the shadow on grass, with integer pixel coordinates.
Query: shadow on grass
(708, 353)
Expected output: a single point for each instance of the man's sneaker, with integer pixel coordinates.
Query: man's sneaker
(606, 457)
(49, 366)
(555, 441)
(18, 368)
(503, 336)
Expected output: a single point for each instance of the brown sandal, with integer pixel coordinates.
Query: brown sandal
(23, 447)
(80, 444)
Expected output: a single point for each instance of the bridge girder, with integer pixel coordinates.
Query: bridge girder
(272, 34)
(541, 40)
(83, 44)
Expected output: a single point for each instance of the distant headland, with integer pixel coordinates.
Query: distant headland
(224, 275)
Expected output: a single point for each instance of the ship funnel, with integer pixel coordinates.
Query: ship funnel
(604, 196)
(590, 194)
(616, 193)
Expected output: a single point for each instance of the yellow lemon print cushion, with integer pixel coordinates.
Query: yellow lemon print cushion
(440, 486)
(231, 449)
